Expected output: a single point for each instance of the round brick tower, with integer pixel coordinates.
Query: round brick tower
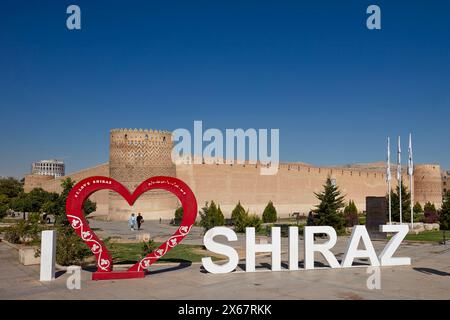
(136, 155)
(427, 184)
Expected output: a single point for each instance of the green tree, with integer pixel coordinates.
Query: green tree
(50, 207)
(418, 212)
(38, 197)
(70, 248)
(10, 187)
(4, 200)
(4, 205)
(21, 203)
(220, 217)
(327, 212)
(3, 210)
(211, 216)
(395, 203)
(430, 214)
(417, 209)
(444, 217)
(429, 208)
(60, 207)
(238, 215)
(178, 215)
(270, 213)
(351, 214)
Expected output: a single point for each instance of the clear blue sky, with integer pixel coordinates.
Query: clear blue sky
(335, 89)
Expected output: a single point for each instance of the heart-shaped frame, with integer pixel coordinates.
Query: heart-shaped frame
(83, 189)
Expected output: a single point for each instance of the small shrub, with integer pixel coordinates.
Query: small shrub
(242, 219)
(431, 217)
(254, 221)
(70, 249)
(270, 213)
(351, 214)
(25, 231)
(429, 207)
(148, 247)
(12, 235)
(362, 219)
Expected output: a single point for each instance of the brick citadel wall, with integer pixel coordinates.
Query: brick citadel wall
(139, 154)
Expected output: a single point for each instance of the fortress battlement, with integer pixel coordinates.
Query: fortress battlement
(139, 130)
(137, 154)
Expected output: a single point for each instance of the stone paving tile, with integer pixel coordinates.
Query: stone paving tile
(427, 278)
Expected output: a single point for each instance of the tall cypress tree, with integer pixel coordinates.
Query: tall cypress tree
(327, 212)
(270, 213)
(240, 218)
(211, 216)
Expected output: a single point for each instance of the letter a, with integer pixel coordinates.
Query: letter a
(374, 20)
(74, 20)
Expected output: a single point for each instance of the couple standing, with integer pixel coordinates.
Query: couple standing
(135, 222)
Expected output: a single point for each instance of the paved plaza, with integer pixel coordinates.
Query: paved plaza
(427, 278)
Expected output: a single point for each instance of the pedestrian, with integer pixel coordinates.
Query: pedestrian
(139, 220)
(311, 221)
(132, 222)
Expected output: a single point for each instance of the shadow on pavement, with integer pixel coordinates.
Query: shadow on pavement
(432, 271)
(182, 265)
(161, 269)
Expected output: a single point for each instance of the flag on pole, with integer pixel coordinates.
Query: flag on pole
(399, 161)
(410, 158)
(388, 170)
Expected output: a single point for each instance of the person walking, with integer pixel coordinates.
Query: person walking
(139, 220)
(132, 222)
(311, 221)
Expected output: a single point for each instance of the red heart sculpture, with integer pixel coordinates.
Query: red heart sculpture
(83, 189)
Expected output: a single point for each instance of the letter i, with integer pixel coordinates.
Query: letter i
(293, 248)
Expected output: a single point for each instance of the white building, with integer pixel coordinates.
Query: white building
(53, 168)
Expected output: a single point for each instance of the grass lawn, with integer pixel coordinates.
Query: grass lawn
(126, 253)
(428, 236)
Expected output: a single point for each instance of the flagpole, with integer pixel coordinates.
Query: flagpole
(412, 214)
(388, 177)
(410, 173)
(399, 178)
